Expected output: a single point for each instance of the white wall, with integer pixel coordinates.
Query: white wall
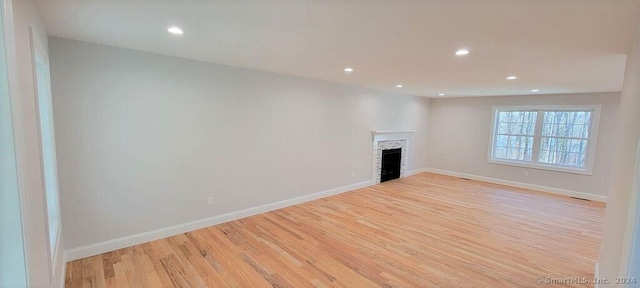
(42, 272)
(459, 137)
(623, 196)
(143, 139)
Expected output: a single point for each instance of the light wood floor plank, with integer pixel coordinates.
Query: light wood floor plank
(421, 231)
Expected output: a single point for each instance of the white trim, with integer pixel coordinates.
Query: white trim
(538, 166)
(559, 191)
(127, 241)
(592, 141)
(382, 135)
(382, 132)
(59, 264)
(63, 272)
(631, 240)
(545, 107)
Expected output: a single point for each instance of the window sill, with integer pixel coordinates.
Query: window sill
(541, 167)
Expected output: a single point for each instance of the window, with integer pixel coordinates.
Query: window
(47, 146)
(554, 138)
(515, 135)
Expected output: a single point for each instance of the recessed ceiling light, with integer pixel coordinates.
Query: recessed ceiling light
(441, 94)
(512, 77)
(462, 52)
(535, 90)
(399, 86)
(175, 30)
(348, 69)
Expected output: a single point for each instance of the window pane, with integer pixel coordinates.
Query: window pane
(565, 138)
(570, 124)
(565, 152)
(517, 122)
(514, 135)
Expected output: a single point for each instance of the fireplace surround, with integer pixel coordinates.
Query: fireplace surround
(387, 140)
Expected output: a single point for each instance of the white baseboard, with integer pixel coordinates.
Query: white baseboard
(541, 188)
(128, 241)
(119, 243)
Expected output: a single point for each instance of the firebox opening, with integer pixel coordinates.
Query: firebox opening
(390, 164)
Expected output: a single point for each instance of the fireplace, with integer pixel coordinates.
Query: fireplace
(392, 148)
(390, 167)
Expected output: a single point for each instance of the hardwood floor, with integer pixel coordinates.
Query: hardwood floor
(426, 230)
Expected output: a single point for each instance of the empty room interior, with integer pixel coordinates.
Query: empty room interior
(355, 143)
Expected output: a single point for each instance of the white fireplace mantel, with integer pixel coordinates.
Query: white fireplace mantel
(381, 135)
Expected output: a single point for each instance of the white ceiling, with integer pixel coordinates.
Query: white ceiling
(557, 46)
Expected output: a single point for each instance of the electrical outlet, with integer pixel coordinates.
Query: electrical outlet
(525, 173)
(353, 174)
(210, 203)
